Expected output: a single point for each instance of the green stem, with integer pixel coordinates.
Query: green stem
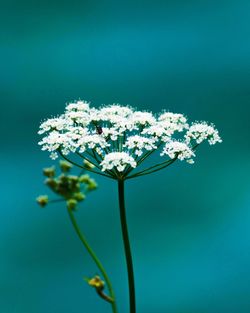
(95, 259)
(157, 167)
(152, 171)
(127, 248)
(87, 159)
(151, 168)
(83, 167)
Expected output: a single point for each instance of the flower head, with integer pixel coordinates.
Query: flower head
(116, 139)
(202, 131)
(78, 106)
(57, 123)
(180, 150)
(177, 121)
(118, 160)
(139, 143)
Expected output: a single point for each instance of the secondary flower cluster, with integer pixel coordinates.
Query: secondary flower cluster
(118, 138)
(70, 188)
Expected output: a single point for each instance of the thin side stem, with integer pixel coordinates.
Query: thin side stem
(87, 159)
(147, 154)
(153, 170)
(153, 167)
(56, 200)
(96, 157)
(157, 167)
(128, 254)
(149, 169)
(95, 259)
(83, 167)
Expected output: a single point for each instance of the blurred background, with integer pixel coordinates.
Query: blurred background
(189, 225)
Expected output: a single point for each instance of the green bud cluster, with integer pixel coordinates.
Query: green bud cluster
(71, 188)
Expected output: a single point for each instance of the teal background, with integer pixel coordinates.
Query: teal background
(189, 225)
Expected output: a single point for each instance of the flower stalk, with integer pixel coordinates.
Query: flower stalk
(98, 263)
(127, 248)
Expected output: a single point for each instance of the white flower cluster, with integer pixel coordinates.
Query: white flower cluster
(139, 143)
(177, 121)
(118, 160)
(180, 150)
(57, 123)
(119, 136)
(202, 131)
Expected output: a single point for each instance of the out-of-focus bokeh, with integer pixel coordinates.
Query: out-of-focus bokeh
(189, 225)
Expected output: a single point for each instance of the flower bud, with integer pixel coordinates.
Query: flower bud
(42, 200)
(96, 282)
(92, 185)
(73, 178)
(51, 183)
(88, 165)
(71, 204)
(49, 171)
(79, 196)
(74, 184)
(65, 166)
(84, 179)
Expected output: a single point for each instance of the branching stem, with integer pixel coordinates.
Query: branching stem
(95, 259)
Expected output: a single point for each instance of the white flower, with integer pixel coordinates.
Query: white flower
(111, 132)
(92, 142)
(79, 117)
(173, 118)
(178, 149)
(173, 122)
(53, 142)
(78, 106)
(114, 114)
(115, 110)
(157, 131)
(118, 160)
(143, 118)
(54, 155)
(115, 136)
(140, 143)
(202, 131)
(119, 117)
(57, 123)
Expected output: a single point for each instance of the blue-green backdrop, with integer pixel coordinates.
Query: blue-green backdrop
(189, 225)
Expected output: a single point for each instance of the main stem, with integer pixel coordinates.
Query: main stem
(95, 259)
(127, 248)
